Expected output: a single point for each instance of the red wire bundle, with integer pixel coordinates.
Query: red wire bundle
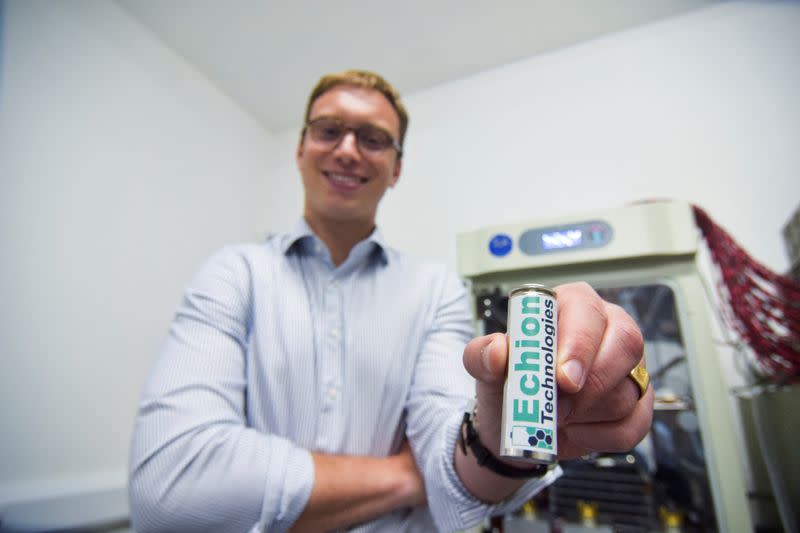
(765, 305)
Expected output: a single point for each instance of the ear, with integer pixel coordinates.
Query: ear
(398, 164)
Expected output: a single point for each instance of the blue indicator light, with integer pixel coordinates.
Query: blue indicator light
(500, 245)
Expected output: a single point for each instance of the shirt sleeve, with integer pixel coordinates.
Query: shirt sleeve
(440, 394)
(194, 464)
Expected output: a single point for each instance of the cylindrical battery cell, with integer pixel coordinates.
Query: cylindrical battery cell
(530, 393)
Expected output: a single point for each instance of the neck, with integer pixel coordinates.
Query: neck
(340, 236)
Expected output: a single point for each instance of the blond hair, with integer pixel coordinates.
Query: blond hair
(366, 80)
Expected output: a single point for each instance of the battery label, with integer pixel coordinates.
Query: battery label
(529, 409)
(537, 437)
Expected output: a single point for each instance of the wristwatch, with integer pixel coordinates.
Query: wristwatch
(468, 436)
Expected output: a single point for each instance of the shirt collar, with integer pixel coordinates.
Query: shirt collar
(302, 235)
(299, 232)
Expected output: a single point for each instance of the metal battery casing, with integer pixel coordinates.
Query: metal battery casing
(529, 424)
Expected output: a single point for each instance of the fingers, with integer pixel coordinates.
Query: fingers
(616, 404)
(581, 327)
(601, 410)
(606, 343)
(609, 393)
(485, 358)
(621, 435)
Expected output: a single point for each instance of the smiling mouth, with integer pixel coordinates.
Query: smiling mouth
(344, 180)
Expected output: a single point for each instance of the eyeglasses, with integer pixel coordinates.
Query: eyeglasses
(329, 130)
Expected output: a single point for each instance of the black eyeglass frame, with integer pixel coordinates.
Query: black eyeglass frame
(392, 144)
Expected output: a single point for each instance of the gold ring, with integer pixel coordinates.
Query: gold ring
(640, 376)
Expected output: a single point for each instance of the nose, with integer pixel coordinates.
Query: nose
(347, 148)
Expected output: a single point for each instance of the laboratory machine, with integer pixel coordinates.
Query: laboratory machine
(689, 472)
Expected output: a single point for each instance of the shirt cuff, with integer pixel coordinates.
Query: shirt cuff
(454, 508)
(290, 478)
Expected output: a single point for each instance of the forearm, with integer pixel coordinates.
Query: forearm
(349, 490)
(219, 479)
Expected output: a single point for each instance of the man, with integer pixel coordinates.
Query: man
(316, 381)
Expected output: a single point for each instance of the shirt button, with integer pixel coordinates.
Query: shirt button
(335, 333)
(332, 392)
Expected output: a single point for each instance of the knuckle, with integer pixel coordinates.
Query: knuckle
(585, 287)
(577, 288)
(632, 342)
(598, 309)
(582, 343)
(597, 382)
(630, 337)
(621, 405)
(636, 427)
(585, 341)
(628, 439)
(638, 433)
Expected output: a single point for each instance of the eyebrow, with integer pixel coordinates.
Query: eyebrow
(346, 123)
(350, 124)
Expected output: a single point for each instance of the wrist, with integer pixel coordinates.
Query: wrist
(487, 456)
(409, 485)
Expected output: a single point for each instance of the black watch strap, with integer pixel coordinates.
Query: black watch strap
(468, 437)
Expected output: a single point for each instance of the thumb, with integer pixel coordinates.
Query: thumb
(485, 358)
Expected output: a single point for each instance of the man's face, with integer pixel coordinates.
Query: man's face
(343, 182)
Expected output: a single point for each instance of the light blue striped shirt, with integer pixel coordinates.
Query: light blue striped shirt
(274, 353)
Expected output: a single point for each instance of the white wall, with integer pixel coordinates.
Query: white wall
(702, 107)
(121, 168)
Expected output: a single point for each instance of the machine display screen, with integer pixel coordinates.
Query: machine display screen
(578, 236)
(554, 240)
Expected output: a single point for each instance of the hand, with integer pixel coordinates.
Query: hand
(414, 486)
(599, 408)
(350, 490)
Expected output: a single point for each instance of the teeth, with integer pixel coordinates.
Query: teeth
(345, 179)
